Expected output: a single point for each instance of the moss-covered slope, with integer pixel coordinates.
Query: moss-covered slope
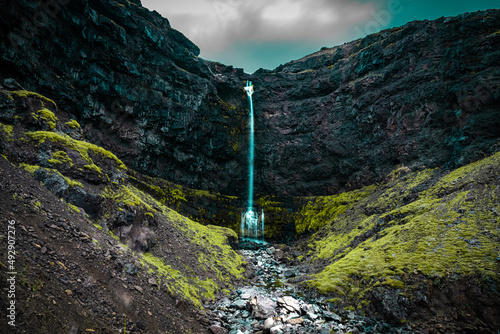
(194, 262)
(385, 248)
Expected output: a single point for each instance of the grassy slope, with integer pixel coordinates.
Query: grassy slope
(420, 223)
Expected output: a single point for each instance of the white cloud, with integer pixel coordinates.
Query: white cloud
(215, 24)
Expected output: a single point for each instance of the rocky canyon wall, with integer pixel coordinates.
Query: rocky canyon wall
(425, 94)
(134, 83)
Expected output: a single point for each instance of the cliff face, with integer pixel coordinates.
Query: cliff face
(421, 95)
(425, 94)
(133, 82)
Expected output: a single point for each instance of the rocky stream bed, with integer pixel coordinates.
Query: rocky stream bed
(272, 303)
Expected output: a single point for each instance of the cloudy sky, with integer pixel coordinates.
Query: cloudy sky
(266, 33)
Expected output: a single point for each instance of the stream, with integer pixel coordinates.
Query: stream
(273, 304)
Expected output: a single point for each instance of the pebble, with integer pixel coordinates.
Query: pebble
(268, 323)
(152, 281)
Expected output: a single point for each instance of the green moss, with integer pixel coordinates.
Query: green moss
(128, 195)
(93, 167)
(77, 145)
(235, 134)
(9, 95)
(217, 259)
(72, 183)
(38, 205)
(73, 207)
(189, 288)
(46, 116)
(73, 124)
(394, 283)
(177, 194)
(7, 129)
(192, 202)
(277, 212)
(26, 94)
(61, 157)
(413, 223)
(320, 210)
(29, 168)
(112, 235)
(33, 168)
(335, 300)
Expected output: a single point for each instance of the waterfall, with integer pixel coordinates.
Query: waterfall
(251, 147)
(252, 225)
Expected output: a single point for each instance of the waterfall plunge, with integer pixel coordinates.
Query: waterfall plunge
(252, 226)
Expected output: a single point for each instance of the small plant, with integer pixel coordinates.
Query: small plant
(37, 285)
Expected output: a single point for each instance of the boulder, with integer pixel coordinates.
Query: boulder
(239, 304)
(268, 323)
(276, 329)
(290, 303)
(295, 321)
(279, 254)
(331, 316)
(270, 250)
(131, 268)
(216, 329)
(262, 307)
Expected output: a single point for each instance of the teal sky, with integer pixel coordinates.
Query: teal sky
(264, 34)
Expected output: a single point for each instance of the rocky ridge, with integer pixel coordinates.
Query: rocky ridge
(135, 85)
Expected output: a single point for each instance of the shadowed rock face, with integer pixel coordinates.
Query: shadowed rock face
(135, 84)
(424, 94)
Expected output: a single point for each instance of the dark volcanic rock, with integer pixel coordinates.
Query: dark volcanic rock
(135, 84)
(423, 94)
